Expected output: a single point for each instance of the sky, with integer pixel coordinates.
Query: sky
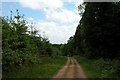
(55, 19)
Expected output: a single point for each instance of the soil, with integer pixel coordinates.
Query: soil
(70, 71)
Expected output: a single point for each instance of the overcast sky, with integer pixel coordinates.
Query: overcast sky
(56, 19)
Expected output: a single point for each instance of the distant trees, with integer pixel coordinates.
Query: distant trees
(57, 49)
(68, 49)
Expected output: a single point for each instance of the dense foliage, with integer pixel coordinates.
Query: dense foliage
(21, 46)
(98, 34)
(99, 30)
(44, 69)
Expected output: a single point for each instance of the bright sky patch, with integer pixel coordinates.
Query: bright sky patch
(56, 19)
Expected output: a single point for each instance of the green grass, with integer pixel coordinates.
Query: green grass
(99, 68)
(88, 67)
(46, 68)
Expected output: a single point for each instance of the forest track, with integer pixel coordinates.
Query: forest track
(71, 71)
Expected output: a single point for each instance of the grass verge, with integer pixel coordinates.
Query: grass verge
(46, 68)
(100, 68)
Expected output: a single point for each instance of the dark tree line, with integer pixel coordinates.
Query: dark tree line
(97, 36)
(100, 28)
(98, 33)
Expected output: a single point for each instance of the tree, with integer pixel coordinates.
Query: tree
(20, 47)
(98, 31)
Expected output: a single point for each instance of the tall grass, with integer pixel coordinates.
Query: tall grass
(46, 68)
(100, 68)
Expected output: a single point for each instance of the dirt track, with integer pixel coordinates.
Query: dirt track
(71, 70)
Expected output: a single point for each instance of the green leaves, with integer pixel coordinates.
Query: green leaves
(20, 47)
(97, 33)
